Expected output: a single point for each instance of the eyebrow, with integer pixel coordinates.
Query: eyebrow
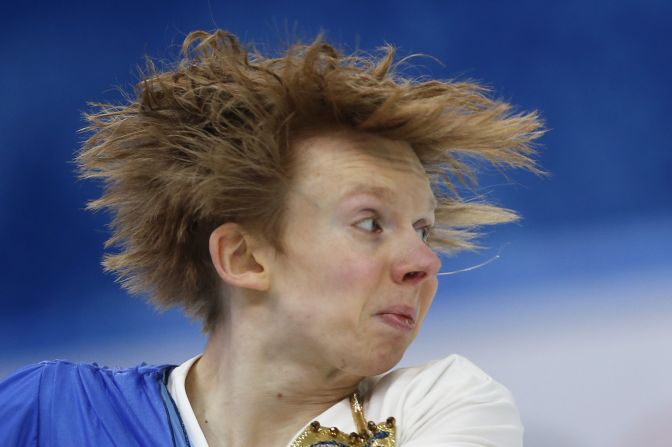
(380, 192)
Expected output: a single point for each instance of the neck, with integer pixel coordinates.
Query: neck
(250, 380)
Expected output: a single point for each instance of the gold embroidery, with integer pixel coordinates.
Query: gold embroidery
(369, 434)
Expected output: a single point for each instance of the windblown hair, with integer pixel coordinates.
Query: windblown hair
(209, 141)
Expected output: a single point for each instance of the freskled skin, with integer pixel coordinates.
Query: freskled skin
(342, 300)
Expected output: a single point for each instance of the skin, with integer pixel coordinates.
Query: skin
(342, 300)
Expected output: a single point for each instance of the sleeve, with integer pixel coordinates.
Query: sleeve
(19, 407)
(452, 403)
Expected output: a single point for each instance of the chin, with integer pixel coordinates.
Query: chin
(382, 363)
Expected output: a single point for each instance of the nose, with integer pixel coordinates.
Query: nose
(415, 262)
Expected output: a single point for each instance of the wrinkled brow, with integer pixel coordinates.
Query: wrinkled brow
(380, 192)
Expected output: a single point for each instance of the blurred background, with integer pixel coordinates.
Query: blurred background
(575, 317)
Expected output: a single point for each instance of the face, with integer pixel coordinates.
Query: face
(356, 277)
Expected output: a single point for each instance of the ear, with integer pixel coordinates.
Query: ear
(235, 256)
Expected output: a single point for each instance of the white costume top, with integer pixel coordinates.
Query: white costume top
(448, 402)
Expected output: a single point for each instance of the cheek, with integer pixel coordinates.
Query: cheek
(427, 293)
(353, 276)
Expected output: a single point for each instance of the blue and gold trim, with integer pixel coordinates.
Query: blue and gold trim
(368, 434)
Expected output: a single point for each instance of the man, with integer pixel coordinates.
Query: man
(294, 205)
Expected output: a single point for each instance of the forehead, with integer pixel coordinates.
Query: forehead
(345, 154)
(331, 168)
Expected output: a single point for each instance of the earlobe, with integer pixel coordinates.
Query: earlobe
(232, 252)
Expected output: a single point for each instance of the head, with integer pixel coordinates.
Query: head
(232, 137)
(355, 275)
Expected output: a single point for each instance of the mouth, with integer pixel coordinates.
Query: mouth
(399, 317)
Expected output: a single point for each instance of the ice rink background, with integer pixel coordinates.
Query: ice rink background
(575, 317)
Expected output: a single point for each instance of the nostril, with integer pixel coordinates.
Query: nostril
(414, 276)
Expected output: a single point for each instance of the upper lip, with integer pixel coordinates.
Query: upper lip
(400, 309)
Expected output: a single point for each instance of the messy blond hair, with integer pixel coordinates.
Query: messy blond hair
(209, 141)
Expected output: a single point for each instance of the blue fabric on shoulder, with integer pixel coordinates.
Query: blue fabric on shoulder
(179, 433)
(59, 403)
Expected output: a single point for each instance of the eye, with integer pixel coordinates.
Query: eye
(424, 233)
(370, 224)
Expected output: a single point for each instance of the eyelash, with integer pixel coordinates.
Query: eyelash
(425, 232)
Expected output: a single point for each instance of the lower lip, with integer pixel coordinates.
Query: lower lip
(398, 321)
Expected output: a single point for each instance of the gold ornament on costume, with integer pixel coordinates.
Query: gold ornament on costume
(369, 434)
